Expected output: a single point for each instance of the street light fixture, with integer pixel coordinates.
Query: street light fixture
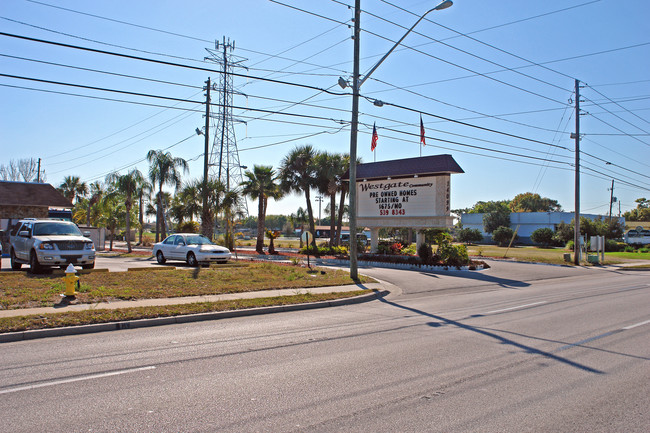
(356, 84)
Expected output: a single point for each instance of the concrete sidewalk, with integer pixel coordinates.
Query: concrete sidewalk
(62, 308)
(375, 291)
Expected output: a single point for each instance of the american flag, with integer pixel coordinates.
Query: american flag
(375, 137)
(422, 132)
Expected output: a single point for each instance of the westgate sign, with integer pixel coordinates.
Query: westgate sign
(403, 198)
(410, 193)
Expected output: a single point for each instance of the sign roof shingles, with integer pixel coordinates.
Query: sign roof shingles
(421, 166)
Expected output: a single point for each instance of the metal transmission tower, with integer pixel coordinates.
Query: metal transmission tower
(224, 157)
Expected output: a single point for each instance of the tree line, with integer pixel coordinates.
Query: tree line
(123, 199)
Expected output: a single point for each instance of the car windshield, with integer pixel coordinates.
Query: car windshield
(198, 240)
(56, 228)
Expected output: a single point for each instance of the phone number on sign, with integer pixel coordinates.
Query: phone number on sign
(392, 212)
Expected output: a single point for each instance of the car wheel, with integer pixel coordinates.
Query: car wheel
(191, 260)
(88, 266)
(160, 258)
(14, 264)
(33, 264)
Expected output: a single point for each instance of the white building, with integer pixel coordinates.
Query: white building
(528, 222)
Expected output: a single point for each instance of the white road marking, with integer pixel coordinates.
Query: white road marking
(76, 379)
(636, 324)
(515, 308)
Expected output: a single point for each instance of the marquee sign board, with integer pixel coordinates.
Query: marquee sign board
(404, 198)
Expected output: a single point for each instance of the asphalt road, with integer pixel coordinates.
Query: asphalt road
(514, 348)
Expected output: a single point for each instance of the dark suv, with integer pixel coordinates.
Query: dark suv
(43, 243)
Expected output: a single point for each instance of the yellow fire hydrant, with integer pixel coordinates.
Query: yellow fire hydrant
(70, 280)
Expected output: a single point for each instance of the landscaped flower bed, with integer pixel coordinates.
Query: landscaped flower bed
(435, 261)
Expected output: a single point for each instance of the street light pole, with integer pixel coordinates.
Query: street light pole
(356, 84)
(206, 221)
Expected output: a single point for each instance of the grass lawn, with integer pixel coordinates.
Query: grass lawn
(545, 255)
(76, 318)
(20, 290)
(24, 290)
(631, 256)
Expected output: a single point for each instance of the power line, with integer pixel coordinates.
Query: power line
(115, 74)
(120, 22)
(113, 134)
(291, 114)
(131, 164)
(96, 156)
(163, 62)
(619, 130)
(428, 55)
(441, 41)
(96, 41)
(234, 74)
(619, 105)
(511, 154)
(467, 35)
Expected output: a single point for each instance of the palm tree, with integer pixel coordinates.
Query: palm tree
(231, 207)
(298, 175)
(127, 185)
(164, 170)
(96, 191)
(72, 187)
(112, 213)
(330, 170)
(299, 218)
(192, 200)
(344, 188)
(260, 185)
(144, 190)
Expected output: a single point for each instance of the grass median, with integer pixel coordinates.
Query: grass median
(546, 255)
(22, 290)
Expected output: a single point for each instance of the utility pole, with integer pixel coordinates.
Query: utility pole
(206, 221)
(354, 124)
(38, 173)
(576, 234)
(611, 200)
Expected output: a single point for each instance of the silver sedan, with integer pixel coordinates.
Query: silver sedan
(191, 248)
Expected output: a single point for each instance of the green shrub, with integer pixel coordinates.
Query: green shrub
(425, 253)
(383, 248)
(468, 236)
(324, 251)
(409, 250)
(454, 255)
(569, 245)
(612, 246)
(188, 227)
(542, 236)
(502, 235)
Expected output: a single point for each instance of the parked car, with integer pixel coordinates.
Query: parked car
(190, 247)
(362, 239)
(43, 243)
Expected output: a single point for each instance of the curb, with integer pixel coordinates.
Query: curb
(159, 321)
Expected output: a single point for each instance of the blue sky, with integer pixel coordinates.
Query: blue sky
(504, 69)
